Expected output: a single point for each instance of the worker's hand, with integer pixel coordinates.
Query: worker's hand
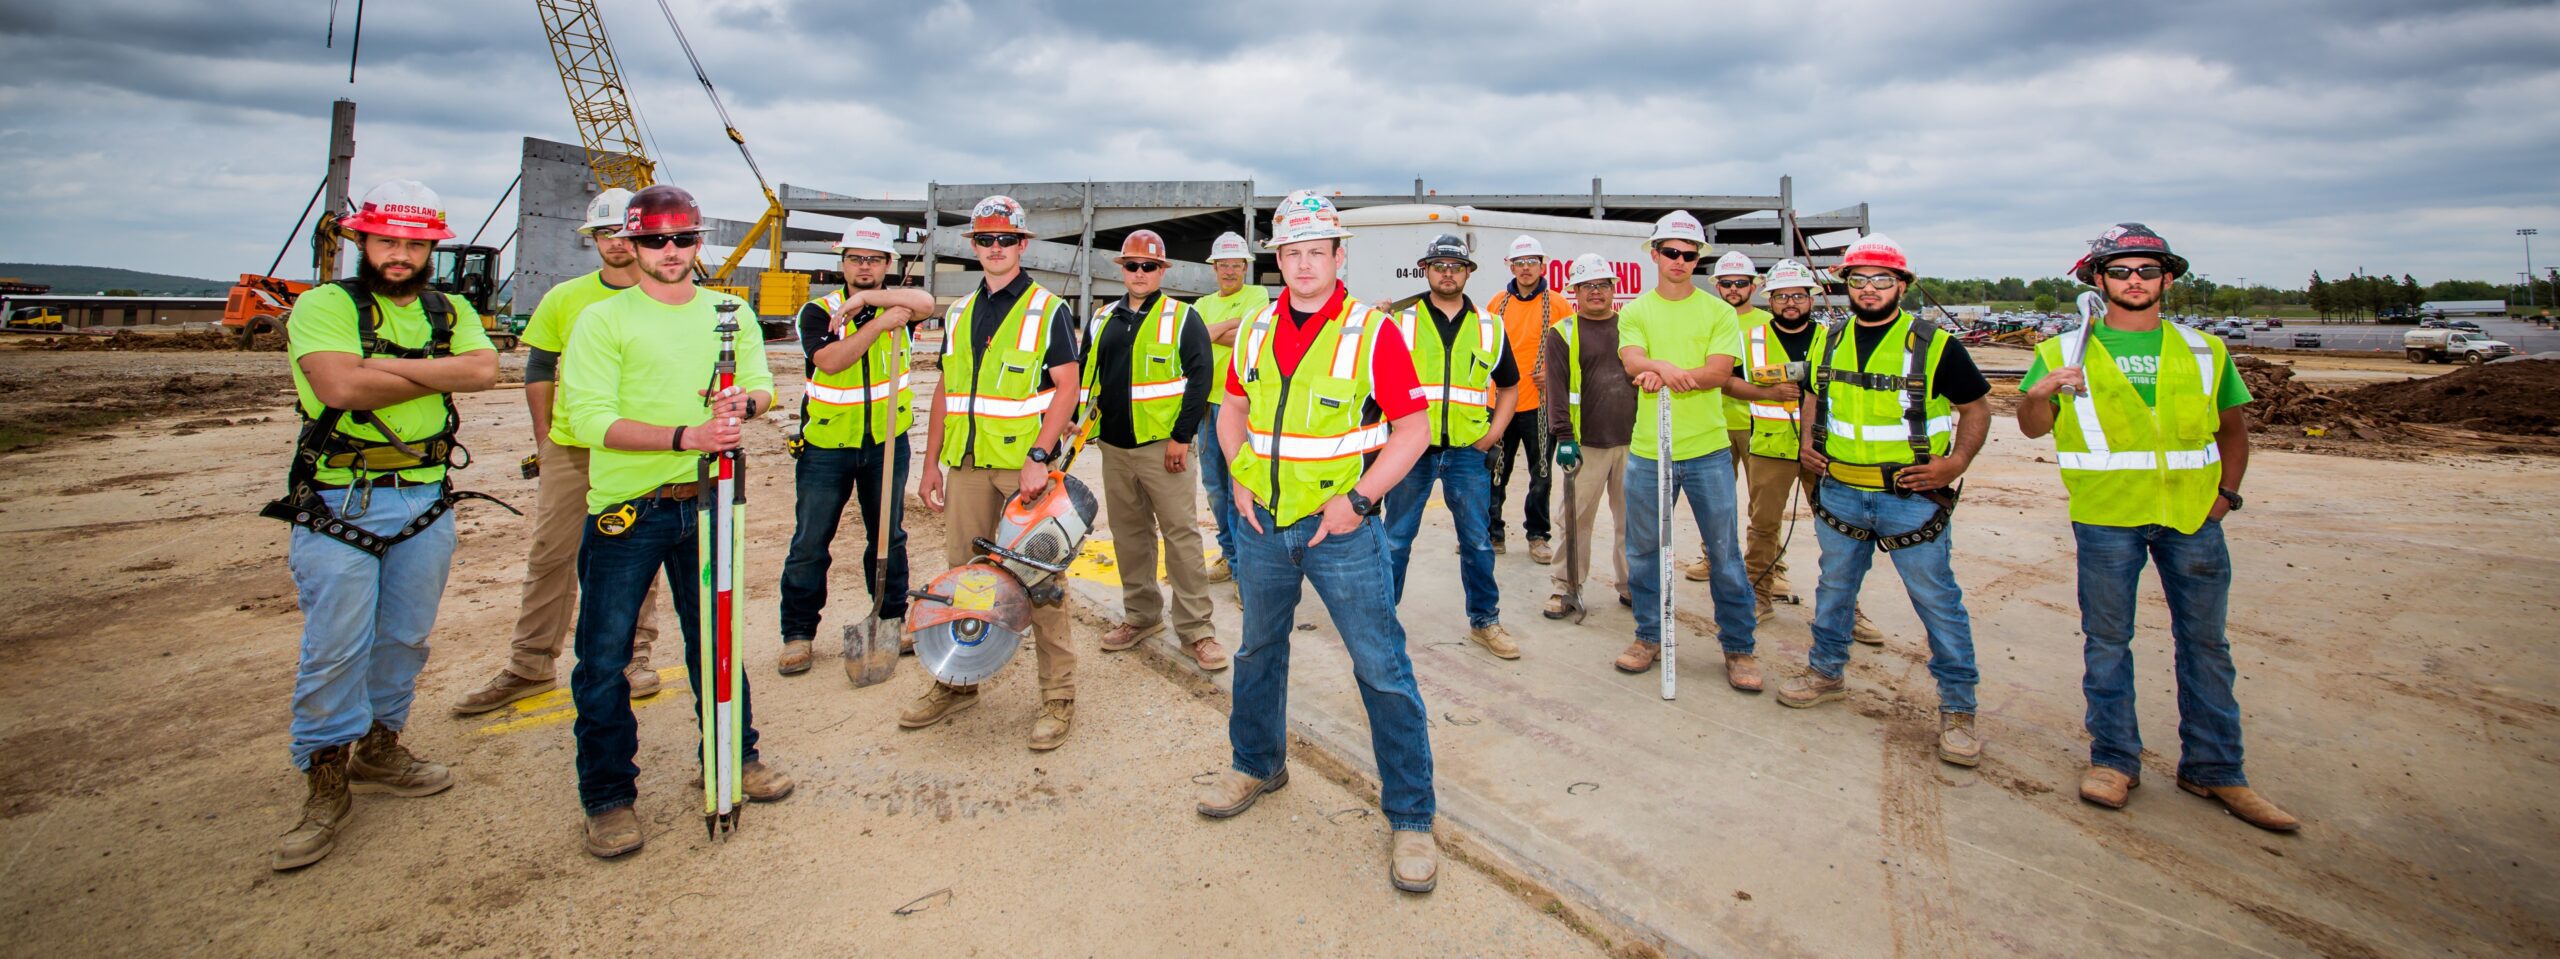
(1569, 455)
(719, 434)
(2056, 380)
(731, 403)
(844, 312)
(1649, 381)
(1786, 393)
(1035, 477)
(1938, 473)
(890, 319)
(2221, 508)
(1339, 518)
(1177, 456)
(1810, 458)
(929, 485)
(1244, 505)
(1485, 445)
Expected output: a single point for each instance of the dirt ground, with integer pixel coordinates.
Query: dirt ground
(147, 664)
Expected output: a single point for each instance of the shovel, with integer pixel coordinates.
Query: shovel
(871, 647)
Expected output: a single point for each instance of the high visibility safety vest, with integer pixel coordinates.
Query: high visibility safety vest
(992, 405)
(1457, 377)
(1308, 432)
(1566, 330)
(1156, 382)
(1868, 417)
(1737, 411)
(1773, 425)
(871, 401)
(2142, 464)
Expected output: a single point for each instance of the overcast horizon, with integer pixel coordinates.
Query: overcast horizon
(2265, 140)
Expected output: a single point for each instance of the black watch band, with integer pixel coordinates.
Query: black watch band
(2234, 496)
(1362, 504)
(1039, 455)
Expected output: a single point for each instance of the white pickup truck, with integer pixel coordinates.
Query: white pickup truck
(2450, 345)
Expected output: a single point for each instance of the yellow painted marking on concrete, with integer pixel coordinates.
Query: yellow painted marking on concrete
(1095, 563)
(533, 712)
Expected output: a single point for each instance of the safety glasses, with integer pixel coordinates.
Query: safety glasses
(1141, 266)
(866, 260)
(988, 240)
(1677, 256)
(1733, 284)
(1881, 281)
(2129, 272)
(1790, 297)
(681, 241)
(1446, 266)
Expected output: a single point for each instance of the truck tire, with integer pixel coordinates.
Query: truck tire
(2474, 359)
(2417, 356)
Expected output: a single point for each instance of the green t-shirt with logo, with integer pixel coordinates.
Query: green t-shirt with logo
(1215, 309)
(2137, 355)
(549, 331)
(638, 359)
(1683, 333)
(324, 321)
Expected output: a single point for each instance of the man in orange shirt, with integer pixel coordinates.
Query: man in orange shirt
(1527, 308)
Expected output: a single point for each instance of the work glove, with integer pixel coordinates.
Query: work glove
(1569, 455)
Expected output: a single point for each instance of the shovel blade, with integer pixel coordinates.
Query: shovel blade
(870, 652)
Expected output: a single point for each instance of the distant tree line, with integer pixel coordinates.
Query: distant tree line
(2354, 297)
(2362, 296)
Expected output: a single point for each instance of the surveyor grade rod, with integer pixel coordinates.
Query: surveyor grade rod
(1662, 487)
(719, 540)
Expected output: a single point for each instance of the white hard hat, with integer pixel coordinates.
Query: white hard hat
(1790, 275)
(868, 233)
(1589, 267)
(1678, 225)
(605, 211)
(1304, 215)
(1735, 264)
(1526, 245)
(400, 208)
(1229, 247)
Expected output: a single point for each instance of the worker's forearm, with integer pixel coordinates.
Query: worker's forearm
(1714, 375)
(1224, 334)
(1973, 425)
(1636, 362)
(360, 388)
(2035, 417)
(1505, 402)
(638, 437)
(1407, 437)
(537, 401)
(840, 355)
(459, 373)
(1234, 417)
(933, 430)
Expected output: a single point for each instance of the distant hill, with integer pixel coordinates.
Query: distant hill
(97, 279)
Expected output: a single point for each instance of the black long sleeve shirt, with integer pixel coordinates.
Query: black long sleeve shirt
(1116, 345)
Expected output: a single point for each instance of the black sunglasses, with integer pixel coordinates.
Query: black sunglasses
(1733, 284)
(1141, 266)
(986, 240)
(1680, 256)
(2127, 272)
(682, 241)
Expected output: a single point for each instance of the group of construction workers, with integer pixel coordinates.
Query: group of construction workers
(1319, 426)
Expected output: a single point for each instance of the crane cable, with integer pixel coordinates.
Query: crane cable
(708, 90)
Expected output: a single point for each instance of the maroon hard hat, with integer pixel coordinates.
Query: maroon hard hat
(2127, 239)
(661, 210)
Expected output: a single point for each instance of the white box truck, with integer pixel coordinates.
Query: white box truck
(1386, 240)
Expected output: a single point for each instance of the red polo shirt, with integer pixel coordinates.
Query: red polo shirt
(1393, 384)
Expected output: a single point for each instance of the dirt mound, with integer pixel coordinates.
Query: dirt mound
(2515, 398)
(180, 341)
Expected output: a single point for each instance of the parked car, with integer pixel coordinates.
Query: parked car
(2306, 340)
(2235, 333)
(2464, 325)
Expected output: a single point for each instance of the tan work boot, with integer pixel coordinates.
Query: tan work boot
(1863, 629)
(1957, 743)
(764, 782)
(1127, 635)
(2245, 803)
(937, 704)
(1742, 671)
(1050, 730)
(1813, 689)
(324, 812)
(643, 680)
(1208, 655)
(379, 764)
(1638, 657)
(1700, 571)
(797, 653)
(1764, 609)
(1233, 792)
(1561, 606)
(1501, 545)
(614, 832)
(2107, 787)
(1220, 572)
(1541, 552)
(501, 689)
(1414, 862)
(1495, 640)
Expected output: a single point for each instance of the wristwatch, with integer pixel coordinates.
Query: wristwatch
(1362, 504)
(2234, 496)
(1040, 455)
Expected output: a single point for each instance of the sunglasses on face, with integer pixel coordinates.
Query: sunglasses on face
(1006, 240)
(1142, 266)
(682, 241)
(866, 260)
(1881, 281)
(2128, 272)
(1733, 284)
(1678, 256)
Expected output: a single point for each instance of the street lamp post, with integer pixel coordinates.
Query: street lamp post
(2528, 234)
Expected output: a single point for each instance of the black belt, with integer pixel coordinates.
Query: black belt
(1935, 527)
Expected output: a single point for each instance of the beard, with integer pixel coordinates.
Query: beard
(1792, 314)
(856, 283)
(1890, 309)
(682, 272)
(2135, 300)
(376, 282)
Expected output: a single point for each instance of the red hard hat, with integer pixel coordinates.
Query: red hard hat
(999, 214)
(661, 210)
(400, 208)
(1142, 245)
(1877, 250)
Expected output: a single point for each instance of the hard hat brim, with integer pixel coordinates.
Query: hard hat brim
(357, 224)
(1337, 233)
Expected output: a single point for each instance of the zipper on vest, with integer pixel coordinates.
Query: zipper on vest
(1279, 419)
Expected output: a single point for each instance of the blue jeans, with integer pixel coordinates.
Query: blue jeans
(364, 620)
(1466, 487)
(613, 577)
(1350, 574)
(2195, 574)
(825, 479)
(1215, 479)
(1707, 482)
(1928, 574)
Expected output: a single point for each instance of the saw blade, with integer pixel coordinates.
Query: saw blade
(964, 652)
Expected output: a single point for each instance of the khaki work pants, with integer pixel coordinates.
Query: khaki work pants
(974, 504)
(551, 570)
(1143, 502)
(1772, 482)
(1603, 474)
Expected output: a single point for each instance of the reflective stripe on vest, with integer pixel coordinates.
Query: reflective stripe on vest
(1457, 395)
(837, 412)
(1306, 433)
(991, 419)
(2157, 464)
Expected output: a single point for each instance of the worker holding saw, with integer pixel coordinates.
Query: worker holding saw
(638, 397)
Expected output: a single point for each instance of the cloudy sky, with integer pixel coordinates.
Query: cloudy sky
(1992, 136)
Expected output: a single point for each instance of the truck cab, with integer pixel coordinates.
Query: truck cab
(2445, 345)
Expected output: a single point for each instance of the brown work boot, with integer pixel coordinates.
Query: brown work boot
(764, 782)
(1208, 655)
(1414, 862)
(324, 812)
(1813, 689)
(937, 704)
(1700, 571)
(1233, 792)
(1742, 672)
(379, 764)
(797, 653)
(643, 680)
(614, 832)
(1501, 545)
(502, 689)
(1050, 730)
(1220, 572)
(1764, 609)
(1638, 657)
(2245, 803)
(1541, 552)
(1863, 629)
(1127, 635)
(1561, 606)
(1957, 743)
(2107, 787)
(1495, 640)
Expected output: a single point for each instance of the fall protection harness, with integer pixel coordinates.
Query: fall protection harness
(1914, 385)
(321, 444)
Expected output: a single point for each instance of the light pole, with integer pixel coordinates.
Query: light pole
(2528, 234)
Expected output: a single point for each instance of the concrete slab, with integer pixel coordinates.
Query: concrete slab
(2384, 630)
